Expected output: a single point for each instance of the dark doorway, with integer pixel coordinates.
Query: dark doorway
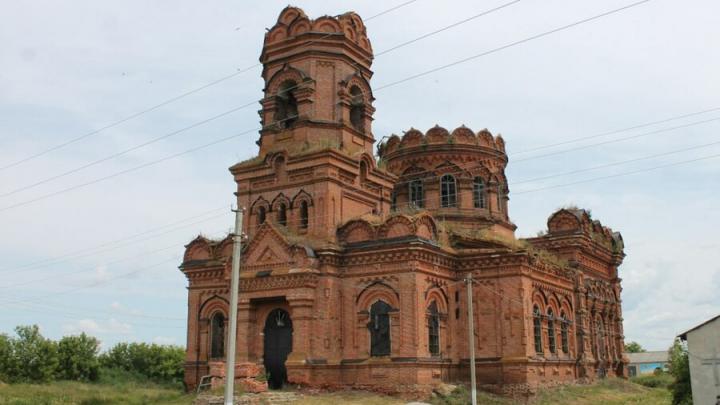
(278, 344)
(379, 329)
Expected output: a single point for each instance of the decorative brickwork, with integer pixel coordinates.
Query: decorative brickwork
(351, 273)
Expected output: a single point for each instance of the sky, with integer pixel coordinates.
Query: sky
(102, 258)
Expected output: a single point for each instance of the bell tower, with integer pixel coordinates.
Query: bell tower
(315, 169)
(317, 88)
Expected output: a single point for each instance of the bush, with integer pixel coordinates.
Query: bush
(78, 358)
(654, 380)
(160, 363)
(680, 370)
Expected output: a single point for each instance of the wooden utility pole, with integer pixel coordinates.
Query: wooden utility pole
(471, 338)
(234, 291)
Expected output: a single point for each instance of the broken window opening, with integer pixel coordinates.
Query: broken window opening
(286, 106)
(357, 109)
(217, 335)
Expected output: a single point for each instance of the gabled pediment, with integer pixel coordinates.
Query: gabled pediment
(269, 249)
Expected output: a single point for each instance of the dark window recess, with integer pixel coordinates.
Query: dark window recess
(479, 193)
(379, 326)
(417, 199)
(433, 329)
(261, 215)
(282, 214)
(217, 336)
(304, 220)
(537, 329)
(357, 109)
(448, 192)
(564, 332)
(551, 331)
(500, 195)
(457, 296)
(286, 107)
(457, 313)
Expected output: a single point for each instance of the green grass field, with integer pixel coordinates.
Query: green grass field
(607, 392)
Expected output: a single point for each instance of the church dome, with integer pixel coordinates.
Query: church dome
(458, 175)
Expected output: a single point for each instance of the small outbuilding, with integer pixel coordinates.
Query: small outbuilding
(646, 362)
(704, 354)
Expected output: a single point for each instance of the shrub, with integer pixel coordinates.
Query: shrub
(161, 363)
(78, 358)
(680, 370)
(654, 381)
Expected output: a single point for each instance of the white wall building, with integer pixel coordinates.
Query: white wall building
(704, 355)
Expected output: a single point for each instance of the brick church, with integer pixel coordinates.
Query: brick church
(353, 268)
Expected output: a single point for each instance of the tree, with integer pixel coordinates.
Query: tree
(78, 358)
(7, 360)
(634, 347)
(35, 358)
(680, 370)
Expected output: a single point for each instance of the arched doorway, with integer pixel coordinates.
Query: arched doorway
(278, 344)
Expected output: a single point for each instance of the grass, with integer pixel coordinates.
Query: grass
(610, 392)
(607, 392)
(76, 393)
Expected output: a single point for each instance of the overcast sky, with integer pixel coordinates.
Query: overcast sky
(68, 68)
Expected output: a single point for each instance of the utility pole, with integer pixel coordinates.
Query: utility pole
(471, 338)
(234, 290)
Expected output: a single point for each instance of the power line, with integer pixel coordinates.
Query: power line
(378, 89)
(166, 102)
(616, 131)
(100, 282)
(112, 245)
(225, 113)
(522, 41)
(672, 152)
(447, 27)
(474, 165)
(126, 151)
(620, 174)
(616, 140)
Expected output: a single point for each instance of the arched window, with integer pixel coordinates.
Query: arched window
(416, 194)
(600, 340)
(393, 200)
(217, 335)
(286, 107)
(357, 109)
(551, 330)
(379, 326)
(304, 220)
(282, 214)
(537, 329)
(564, 323)
(363, 170)
(448, 191)
(479, 193)
(433, 329)
(500, 197)
(261, 215)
